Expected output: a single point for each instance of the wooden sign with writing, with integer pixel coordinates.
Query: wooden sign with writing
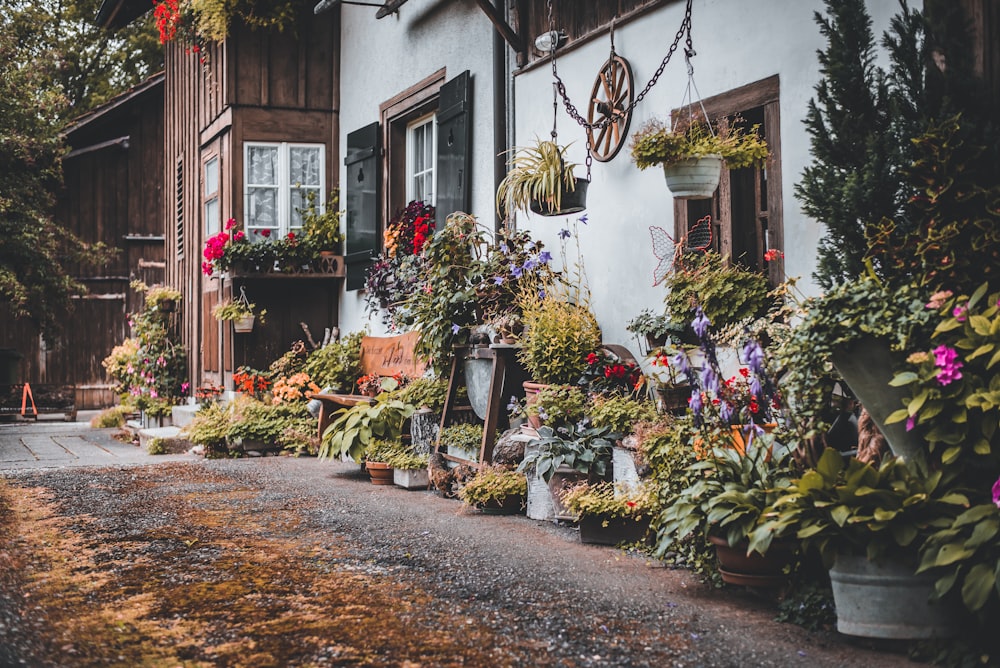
(388, 355)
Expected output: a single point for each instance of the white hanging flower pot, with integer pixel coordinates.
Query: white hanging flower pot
(694, 178)
(243, 325)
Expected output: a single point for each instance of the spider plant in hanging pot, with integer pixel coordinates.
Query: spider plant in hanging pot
(240, 312)
(541, 181)
(692, 152)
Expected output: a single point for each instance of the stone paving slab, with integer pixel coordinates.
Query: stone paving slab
(25, 446)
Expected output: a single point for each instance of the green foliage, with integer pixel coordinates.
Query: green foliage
(656, 144)
(559, 404)
(621, 414)
(157, 295)
(209, 427)
(884, 513)
(252, 420)
(538, 172)
(809, 605)
(492, 484)
(157, 446)
(111, 417)
(464, 436)
(647, 323)
(558, 336)
(406, 460)
(213, 19)
(443, 307)
(726, 292)
(337, 364)
(321, 229)
(728, 493)
(958, 417)
(605, 499)
(425, 392)
(235, 310)
(356, 427)
(586, 450)
(846, 314)
(382, 450)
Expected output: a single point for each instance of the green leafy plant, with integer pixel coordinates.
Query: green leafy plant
(425, 393)
(159, 295)
(406, 460)
(558, 336)
(854, 508)
(491, 485)
(464, 436)
(209, 427)
(608, 500)
(539, 173)
(383, 450)
(559, 404)
(337, 364)
(252, 420)
(584, 449)
(236, 310)
(726, 292)
(111, 417)
(356, 427)
(656, 144)
(621, 414)
(321, 229)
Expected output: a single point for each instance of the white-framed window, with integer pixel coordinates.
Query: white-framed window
(213, 221)
(421, 159)
(277, 180)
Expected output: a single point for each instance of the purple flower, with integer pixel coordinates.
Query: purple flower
(754, 355)
(455, 328)
(709, 381)
(541, 293)
(725, 412)
(583, 219)
(946, 359)
(513, 403)
(498, 280)
(681, 362)
(530, 264)
(516, 271)
(544, 257)
(996, 493)
(911, 422)
(695, 402)
(504, 248)
(700, 323)
(755, 387)
(564, 234)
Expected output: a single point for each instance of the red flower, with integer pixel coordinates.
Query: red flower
(593, 358)
(754, 406)
(230, 224)
(745, 372)
(265, 233)
(773, 253)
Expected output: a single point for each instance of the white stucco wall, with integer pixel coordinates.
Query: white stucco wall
(381, 58)
(737, 43)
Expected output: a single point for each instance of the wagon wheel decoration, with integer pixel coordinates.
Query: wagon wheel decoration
(610, 110)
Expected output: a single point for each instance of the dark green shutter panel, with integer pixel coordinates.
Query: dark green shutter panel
(362, 242)
(453, 138)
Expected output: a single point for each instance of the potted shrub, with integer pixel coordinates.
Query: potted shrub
(611, 514)
(556, 405)
(337, 365)
(560, 457)
(869, 525)
(462, 440)
(378, 454)
(358, 426)
(409, 469)
(558, 336)
(495, 489)
(240, 312)
(541, 180)
(653, 329)
(162, 298)
(322, 235)
(692, 152)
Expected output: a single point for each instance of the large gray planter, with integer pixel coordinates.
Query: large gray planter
(887, 601)
(694, 178)
(866, 366)
(624, 471)
(411, 478)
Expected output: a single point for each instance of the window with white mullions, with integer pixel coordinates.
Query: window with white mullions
(212, 217)
(278, 180)
(421, 159)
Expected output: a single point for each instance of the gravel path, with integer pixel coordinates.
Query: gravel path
(295, 562)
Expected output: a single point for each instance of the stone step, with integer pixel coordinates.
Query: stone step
(183, 415)
(165, 440)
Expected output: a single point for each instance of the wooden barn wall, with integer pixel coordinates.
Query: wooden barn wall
(111, 194)
(257, 86)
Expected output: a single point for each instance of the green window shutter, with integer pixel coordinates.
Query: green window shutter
(453, 139)
(362, 201)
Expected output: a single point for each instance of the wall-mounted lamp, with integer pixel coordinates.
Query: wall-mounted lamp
(327, 5)
(550, 40)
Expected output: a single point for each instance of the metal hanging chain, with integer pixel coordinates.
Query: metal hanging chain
(691, 85)
(683, 31)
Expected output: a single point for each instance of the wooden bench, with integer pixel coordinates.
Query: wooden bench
(31, 400)
(381, 355)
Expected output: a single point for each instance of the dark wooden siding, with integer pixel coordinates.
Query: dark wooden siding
(112, 194)
(256, 86)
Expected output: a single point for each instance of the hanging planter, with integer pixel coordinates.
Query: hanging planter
(571, 201)
(694, 178)
(244, 325)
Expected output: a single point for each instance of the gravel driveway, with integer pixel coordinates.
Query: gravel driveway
(295, 562)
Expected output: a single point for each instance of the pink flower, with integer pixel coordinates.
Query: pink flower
(911, 422)
(946, 359)
(230, 224)
(960, 312)
(206, 268)
(938, 299)
(996, 493)
(239, 236)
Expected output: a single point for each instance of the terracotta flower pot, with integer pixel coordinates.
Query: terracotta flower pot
(380, 473)
(754, 569)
